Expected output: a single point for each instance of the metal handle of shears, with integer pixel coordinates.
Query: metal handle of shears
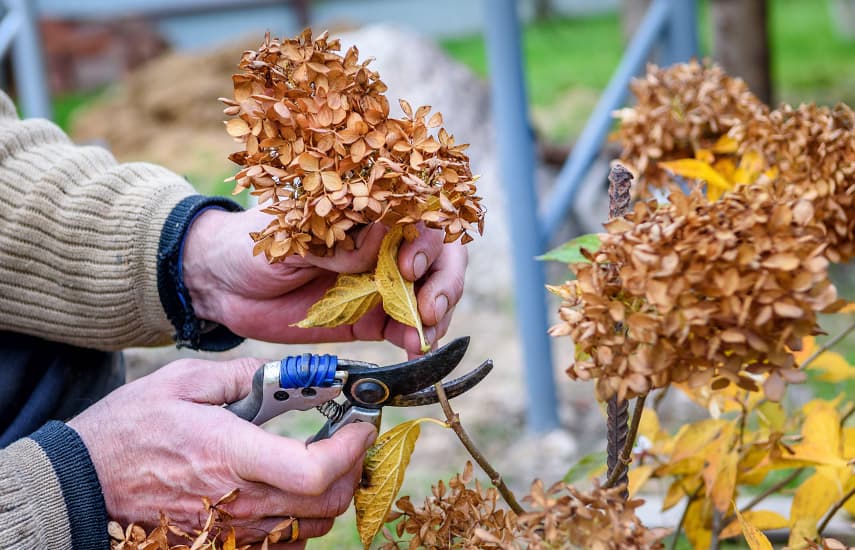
(300, 383)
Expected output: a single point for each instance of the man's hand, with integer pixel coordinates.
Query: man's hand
(164, 441)
(259, 300)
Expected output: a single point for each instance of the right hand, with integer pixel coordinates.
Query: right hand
(164, 441)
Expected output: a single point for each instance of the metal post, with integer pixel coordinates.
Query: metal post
(681, 34)
(28, 62)
(514, 138)
(590, 142)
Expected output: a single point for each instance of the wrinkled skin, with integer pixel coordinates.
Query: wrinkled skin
(162, 442)
(260, 300)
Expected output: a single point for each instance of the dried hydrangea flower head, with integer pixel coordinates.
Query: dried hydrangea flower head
(678, 110)
(320, 147)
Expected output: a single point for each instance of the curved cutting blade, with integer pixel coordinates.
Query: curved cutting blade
(452, 388)
(403, 378)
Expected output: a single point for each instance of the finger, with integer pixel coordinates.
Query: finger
(213, 382)
(259, 500)
(288, 465)
(415, 258)
(407, 337)
(443, 287)
(362, 258)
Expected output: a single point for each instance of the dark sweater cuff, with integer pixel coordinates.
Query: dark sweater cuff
(81, 491)
(190, 331)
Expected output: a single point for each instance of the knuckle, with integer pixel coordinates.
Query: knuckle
(312, 481)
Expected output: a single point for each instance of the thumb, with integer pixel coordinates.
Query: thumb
(213, 382)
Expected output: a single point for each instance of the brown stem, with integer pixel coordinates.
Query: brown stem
(620, 180)
(453, 420)
(617, 475)
(829, 344)
(616, 433)
(833, 511)
(717, 525)
(769, 491)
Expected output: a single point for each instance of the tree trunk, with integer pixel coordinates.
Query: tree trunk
(741, 42)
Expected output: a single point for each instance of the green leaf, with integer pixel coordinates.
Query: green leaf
(570, 252)
(588, 466)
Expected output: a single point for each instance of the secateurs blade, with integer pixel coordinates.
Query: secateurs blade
(301, 382)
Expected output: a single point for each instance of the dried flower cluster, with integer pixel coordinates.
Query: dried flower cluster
(679, 110)
(716, 293)
(455, 517)
(708, 293)
(319, 145)
(216, 532)
(563, 517)
(813, 149)
(828, 544)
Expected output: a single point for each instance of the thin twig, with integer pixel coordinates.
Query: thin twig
(833, 511)
(829, 344)
(717, 526)
(680, 523)
(769, 491)
(626, 452)
(453, 420)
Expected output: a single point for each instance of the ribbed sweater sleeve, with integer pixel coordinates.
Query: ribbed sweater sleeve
(79, 238)
(49, 493)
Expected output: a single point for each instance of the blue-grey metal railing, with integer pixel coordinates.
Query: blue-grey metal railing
(19, 30)
(670, 25)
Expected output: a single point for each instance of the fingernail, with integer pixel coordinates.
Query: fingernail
(361, 236)
(372, 437)
(440, 307)
(420, 264)
(430, 334)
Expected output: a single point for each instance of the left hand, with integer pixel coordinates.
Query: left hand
(259, 300)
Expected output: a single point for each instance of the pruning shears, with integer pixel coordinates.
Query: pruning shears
(302, 382)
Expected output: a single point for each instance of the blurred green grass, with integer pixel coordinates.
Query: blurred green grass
(576, 57)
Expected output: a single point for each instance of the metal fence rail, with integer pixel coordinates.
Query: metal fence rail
(19, 30)
(670, 26)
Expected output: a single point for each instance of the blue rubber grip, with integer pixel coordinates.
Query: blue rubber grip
(302, 371)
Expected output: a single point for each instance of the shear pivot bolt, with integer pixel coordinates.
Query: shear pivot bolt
(370, 391)
(281, 395)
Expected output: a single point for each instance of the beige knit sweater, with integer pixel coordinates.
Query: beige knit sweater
(78, 243)
(78, 239)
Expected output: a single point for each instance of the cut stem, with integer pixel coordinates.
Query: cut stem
(453, 421)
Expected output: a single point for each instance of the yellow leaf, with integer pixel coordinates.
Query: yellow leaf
(755, 538)
(695, 436)
(698, 522)
(820, 435)
(760, 519)
(399, 295)
(719, 470)
(849, 443)
(848, 308)
(812, 500)
(384, 467)
(808, 347)
(695, 169)
(725, 144)
(638, 477)
(833, 366)
(351, 297)
(705, 155)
